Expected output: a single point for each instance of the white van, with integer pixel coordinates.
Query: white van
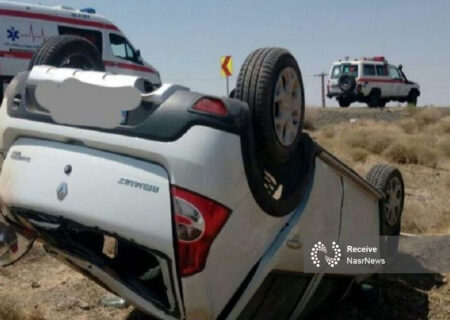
(370, 80)
(24, 27)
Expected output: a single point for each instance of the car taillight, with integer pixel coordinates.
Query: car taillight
(198, 221)
(212, 106)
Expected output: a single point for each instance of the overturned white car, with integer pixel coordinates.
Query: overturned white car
(206, 201)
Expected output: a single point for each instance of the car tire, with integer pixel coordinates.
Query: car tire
(346, 83)
(412, 98)
(374, 99)
(388, 179)
(382, 104)
(270, 82)
(68, 51)
(344, 103)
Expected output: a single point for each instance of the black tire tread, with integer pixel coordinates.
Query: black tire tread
(52, 48)
(378, 175)
(253, 80)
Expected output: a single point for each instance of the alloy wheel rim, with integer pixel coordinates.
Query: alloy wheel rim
(287, 106)
(393, 201)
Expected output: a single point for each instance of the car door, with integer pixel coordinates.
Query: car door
(286, 290)
(397, 82)
(120, 57)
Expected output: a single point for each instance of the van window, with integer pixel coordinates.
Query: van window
(336, 72)
(122, 49)
(393, 72)
(350, 69)
(382, 70)
(368, 69)
(93, 36)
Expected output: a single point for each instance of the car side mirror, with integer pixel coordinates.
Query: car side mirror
(400, 67)
(138, 53)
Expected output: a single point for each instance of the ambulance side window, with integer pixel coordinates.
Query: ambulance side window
(122, 49)
(95, 37)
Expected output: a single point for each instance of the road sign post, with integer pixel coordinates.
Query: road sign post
(226, 70)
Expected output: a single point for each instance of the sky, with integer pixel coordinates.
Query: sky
(184, 40)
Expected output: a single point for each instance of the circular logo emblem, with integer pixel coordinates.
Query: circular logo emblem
(320, 247)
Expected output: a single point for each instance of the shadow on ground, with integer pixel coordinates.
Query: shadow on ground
(386, 296)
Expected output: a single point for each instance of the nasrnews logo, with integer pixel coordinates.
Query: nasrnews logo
(320, 247)
(319, 253)
(364, 260)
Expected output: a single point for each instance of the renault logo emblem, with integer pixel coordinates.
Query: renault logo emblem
(62, 191)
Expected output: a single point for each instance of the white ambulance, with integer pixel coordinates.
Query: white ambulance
(24, 27)
(370, 80)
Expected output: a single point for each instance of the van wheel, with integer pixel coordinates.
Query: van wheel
(68, 51)
(412, 98)
(344, 103)
(374, 99)
(271, 84)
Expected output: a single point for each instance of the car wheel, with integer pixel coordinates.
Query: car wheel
(412, 98)
(68, 52)
(374, 99)
(271, 84)
(388, 179)
(382, 104)
(346, 83)
(344, 103)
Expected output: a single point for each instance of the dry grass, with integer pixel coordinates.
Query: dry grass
(407, 151)
(419, 144)
(311, 115)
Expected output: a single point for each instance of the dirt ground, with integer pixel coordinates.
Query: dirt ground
(40, 287)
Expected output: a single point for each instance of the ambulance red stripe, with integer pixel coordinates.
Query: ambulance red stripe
(129, 66)
(380, 80)
(121, 65)
(47, 17)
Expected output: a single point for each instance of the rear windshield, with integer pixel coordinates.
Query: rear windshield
(344, 69)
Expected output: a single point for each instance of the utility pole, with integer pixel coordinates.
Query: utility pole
(322, 76)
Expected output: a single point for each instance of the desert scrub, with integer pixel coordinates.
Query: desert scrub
(374, 141)
(444, 145)
(311, 116)
(358, 155)
(329, 132)
(428, 116)
(409, 151)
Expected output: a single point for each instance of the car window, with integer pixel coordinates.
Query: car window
(122, 49)
(95, 37)
(393, 73)
(368, 69)
(382, 70)
(350, 70)
(336, 72)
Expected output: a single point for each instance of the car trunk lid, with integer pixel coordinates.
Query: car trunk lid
(92, 195)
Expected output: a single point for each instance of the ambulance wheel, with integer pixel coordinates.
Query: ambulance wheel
(412, 98)
(344, 103)
(271, 84)
(68, 51)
